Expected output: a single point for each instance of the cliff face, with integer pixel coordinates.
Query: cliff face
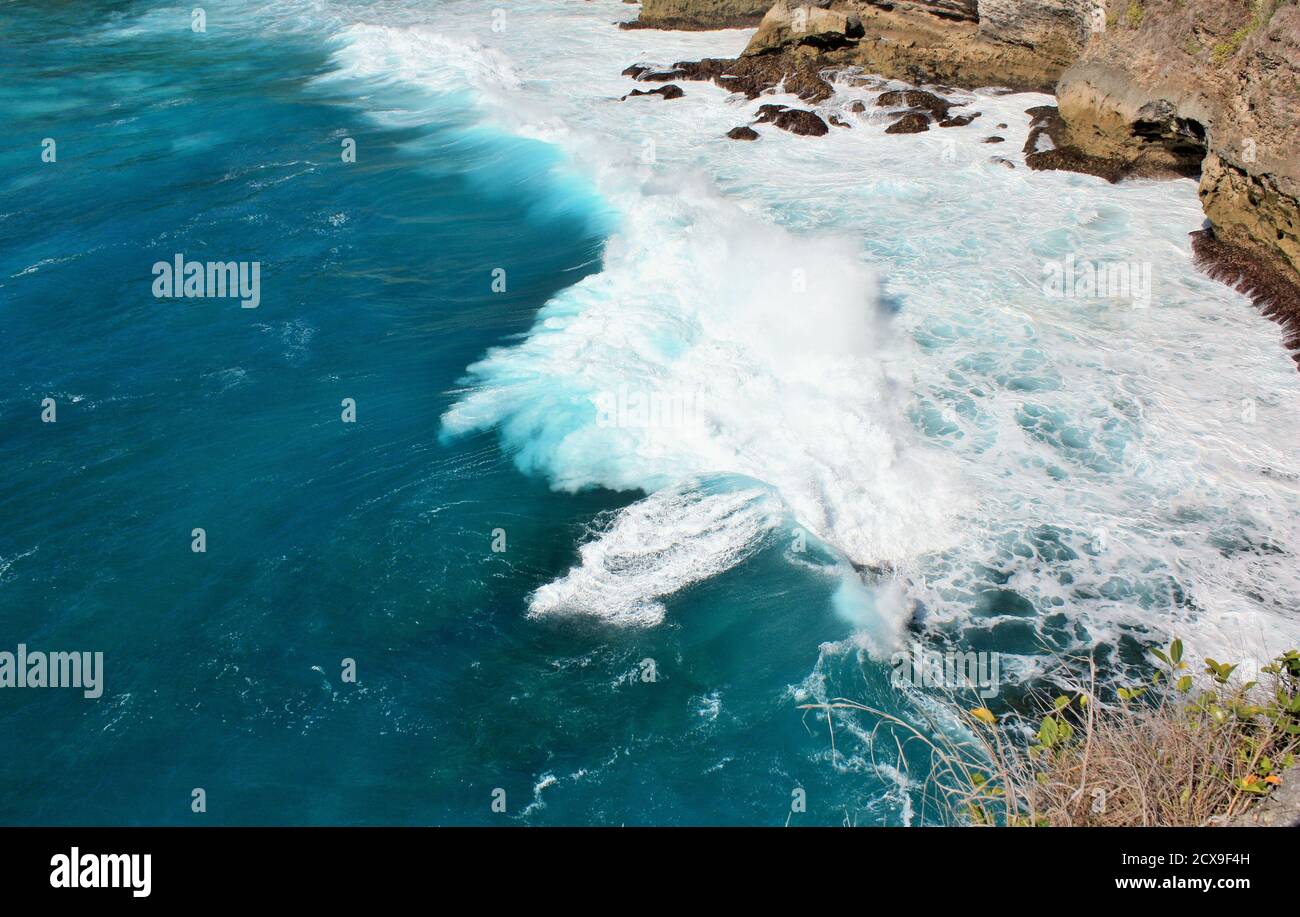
(1209, 86)
(700, 14)
(786, 24)
(1058, 28)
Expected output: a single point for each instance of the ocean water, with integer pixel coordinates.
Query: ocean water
(748, 417)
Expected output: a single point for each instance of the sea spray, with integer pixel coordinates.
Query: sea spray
(772, 335)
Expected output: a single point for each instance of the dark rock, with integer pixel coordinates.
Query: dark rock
(870, 82)
(794, 120)
(1001, 127)
(915, 99)
(858, 106)
(742, 133)
(1071, 159)
(959, 120)
(913, 122)
(1047, 122)
(798, 74)
(661, 76)
(1003, 161)
(668, 92)
(994, 140)
(1044, 119)
(838, 121)
(767, 113)
(1262, 276)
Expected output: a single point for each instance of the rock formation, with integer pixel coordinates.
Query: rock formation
(1208, 88)
(699, 14)
(668, 92)
(1146, 88)
(816, 24)
(794, 120)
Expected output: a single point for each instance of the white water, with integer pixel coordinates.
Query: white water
(1127, 469)
(672, 538)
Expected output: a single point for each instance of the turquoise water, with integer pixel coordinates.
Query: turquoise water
(325, 540)
(911, 442)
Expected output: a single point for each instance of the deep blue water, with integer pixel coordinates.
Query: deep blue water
(327, 540)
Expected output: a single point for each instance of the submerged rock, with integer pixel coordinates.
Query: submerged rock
(913, 122)
(742, 133)
(797, 72)
(794, 120)
(766, 113)
(915, 99)
(668, 92)
(1045, 150)
(1044, 122)
(646, 74)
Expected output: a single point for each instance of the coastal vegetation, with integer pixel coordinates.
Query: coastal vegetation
(1262, 13)
(1192, 745)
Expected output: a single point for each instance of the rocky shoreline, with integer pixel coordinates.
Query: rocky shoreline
(1208, 89)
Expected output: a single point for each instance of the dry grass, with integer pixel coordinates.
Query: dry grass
(1180, 751)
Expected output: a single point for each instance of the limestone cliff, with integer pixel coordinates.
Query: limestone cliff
(1020, 44)
(1057, 28)
(699, 14)
(1207, 87)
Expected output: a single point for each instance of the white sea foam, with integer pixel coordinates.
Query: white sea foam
(1082, 465)
(696, 297)
(655, 547)
(420, 55)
